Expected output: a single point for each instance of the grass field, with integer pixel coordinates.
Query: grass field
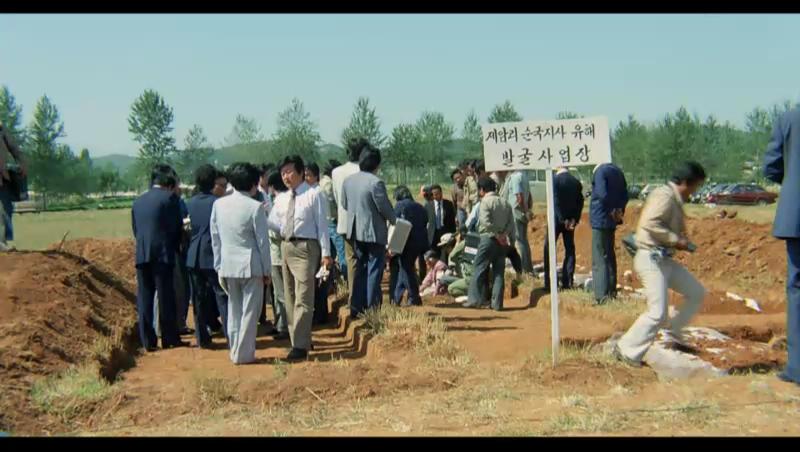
(36, 231)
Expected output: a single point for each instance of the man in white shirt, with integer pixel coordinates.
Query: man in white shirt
(300, 215)
(338, 175)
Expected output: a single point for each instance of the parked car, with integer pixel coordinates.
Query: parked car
(700, 196)
(742, 194)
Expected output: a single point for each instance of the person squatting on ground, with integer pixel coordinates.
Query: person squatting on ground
(660, 232)
(368, 211)
(241, 258)
(300, 215)
(495, 225)
(436, 268)
(782, 166)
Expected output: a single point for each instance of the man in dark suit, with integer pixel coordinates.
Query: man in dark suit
(368, 211)
(568, 197)
(782, 166)
(402, 276)
(606, 210)
(157, 224)
(200, 256)
(445, 218)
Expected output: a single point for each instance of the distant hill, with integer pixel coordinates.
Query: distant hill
(118, 161)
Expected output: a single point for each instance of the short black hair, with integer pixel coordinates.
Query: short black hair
(432, 254)
(487, 184)
(354, 147)
(689, 172)
(436, 187)
(314, 168)
(243, 176)
(295, 160)
(426, 192)
(402, 192)
(205, 177)
(454, 172)
(164, 175)
(370, 159)
(266, 168)
(275, 181)
(332, 163)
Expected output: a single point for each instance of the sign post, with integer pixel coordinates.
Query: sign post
(546, 145)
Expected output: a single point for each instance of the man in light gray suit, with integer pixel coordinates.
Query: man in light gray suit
(241, 258)
(368, 210)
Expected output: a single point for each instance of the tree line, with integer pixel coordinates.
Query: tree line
(423, 150)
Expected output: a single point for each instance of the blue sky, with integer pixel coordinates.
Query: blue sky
(211, 67)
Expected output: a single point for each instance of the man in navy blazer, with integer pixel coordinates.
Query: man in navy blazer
(782, 166)
(401, 267)
(606, 209)
(157, 224)
(200, 255)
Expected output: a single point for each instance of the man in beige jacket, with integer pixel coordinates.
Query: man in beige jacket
(660, 232)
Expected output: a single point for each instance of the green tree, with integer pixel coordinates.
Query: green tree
(630, 146)
(245, 131)
(11, 115)
(364, 123)
(196, 151)
(150, 122)
(403, 150)
(504, 112)
(45, 158)
(472, 136)
(297, 133)
(109, 179)
(435, 134)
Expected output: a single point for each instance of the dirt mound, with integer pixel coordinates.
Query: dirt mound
(581, 375)
(732, 256)
(116, 255)
(56, 310)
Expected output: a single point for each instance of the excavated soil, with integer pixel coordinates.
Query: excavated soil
(114, 255)
(732, 256)
(54, 308)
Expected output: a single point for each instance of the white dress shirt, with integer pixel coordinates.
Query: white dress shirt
(338, 175)
(310, 216)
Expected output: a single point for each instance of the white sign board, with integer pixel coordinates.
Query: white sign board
(534, 145)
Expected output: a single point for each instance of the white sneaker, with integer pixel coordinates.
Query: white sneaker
(462, 299)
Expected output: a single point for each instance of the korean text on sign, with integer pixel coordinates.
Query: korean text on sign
(546, 144)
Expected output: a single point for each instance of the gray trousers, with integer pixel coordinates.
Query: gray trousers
(522, 245)
(245, 297)
(604, 264)
(300, 259)
(489, 254)
(279, 303)
(657, 277)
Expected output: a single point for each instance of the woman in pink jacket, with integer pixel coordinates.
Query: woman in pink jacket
(436, 268)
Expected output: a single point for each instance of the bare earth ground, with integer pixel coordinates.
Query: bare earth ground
(436, 370)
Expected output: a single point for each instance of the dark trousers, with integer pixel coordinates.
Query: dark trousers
(368, 272)
(6, 214)
(492, 255)
(792, 369)
(209, 298)
(604, 264)
(152, 277)
(402, 277)
(422, 270)
(568, 268)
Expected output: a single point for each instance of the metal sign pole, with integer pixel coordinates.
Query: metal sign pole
(551, 237)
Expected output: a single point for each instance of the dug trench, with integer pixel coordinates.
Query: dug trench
(427, 354)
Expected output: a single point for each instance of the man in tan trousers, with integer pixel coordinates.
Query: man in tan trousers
(661, 231)
(301, 216)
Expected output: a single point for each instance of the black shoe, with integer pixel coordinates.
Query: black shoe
(185, 331)
(175, 345)
(281, 336)
(206, 345)
(297, 354)
(151, 349)
(273, 332)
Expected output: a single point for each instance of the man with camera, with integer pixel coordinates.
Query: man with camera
(11, 185)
